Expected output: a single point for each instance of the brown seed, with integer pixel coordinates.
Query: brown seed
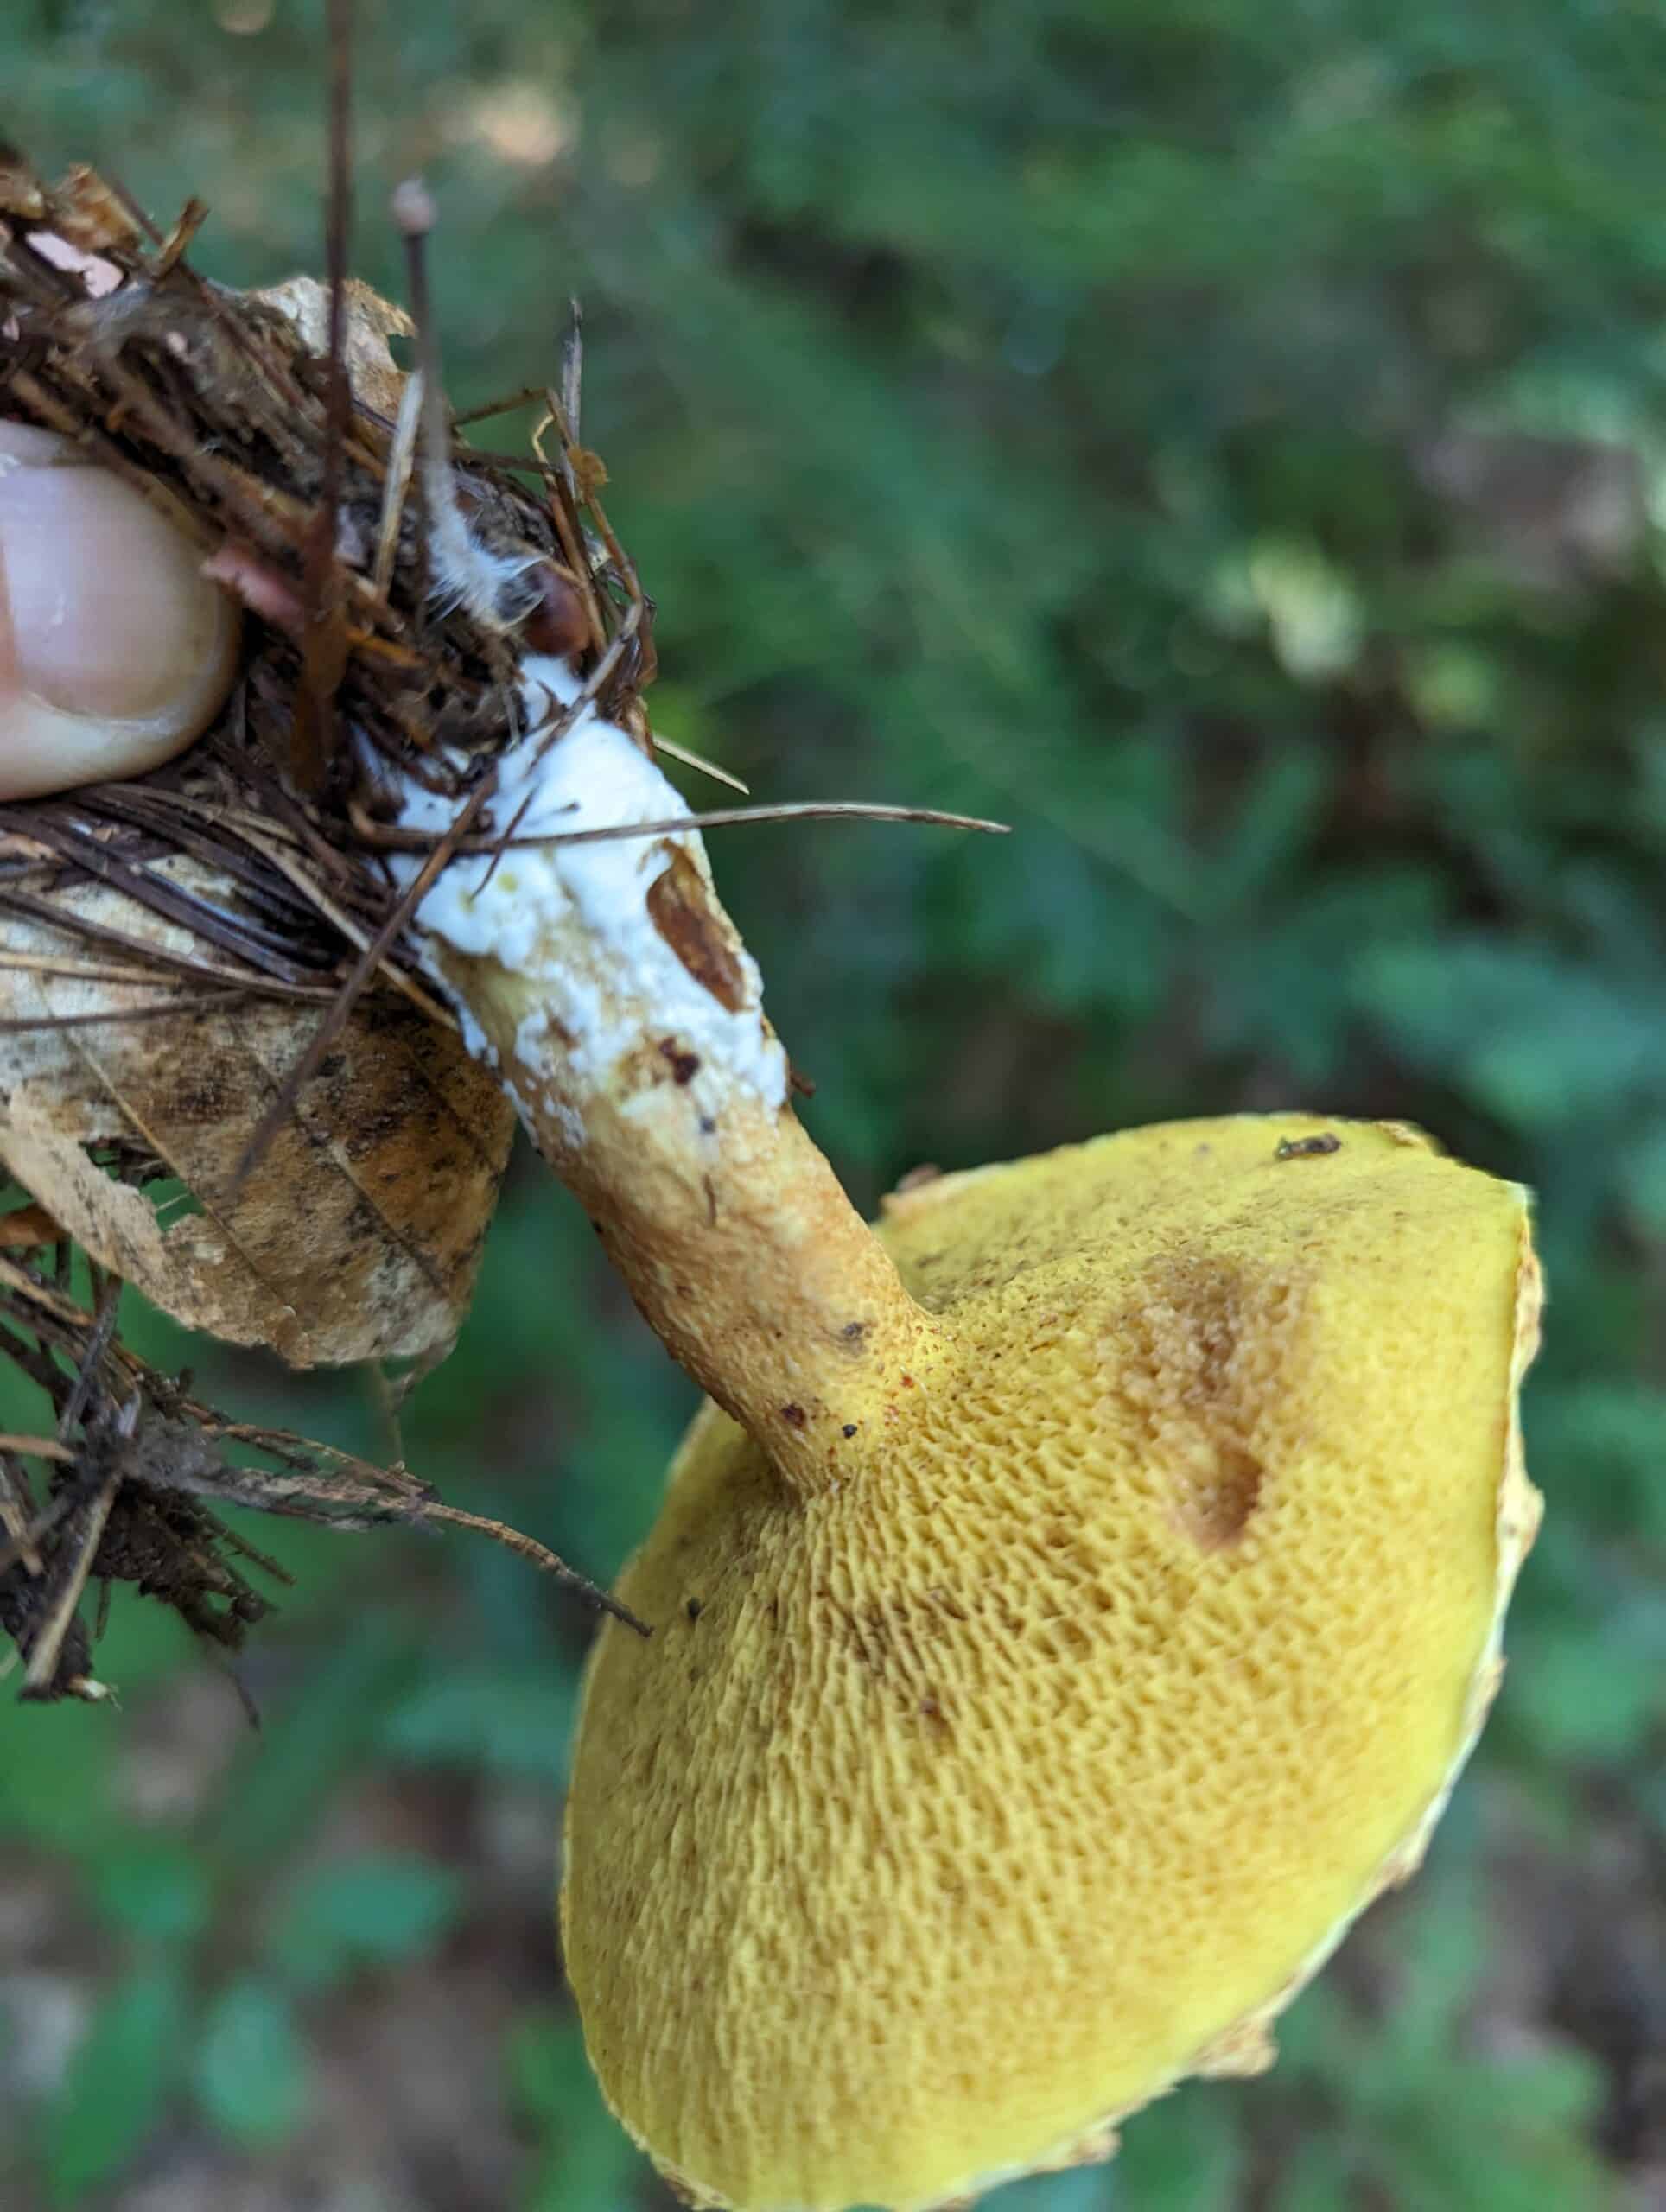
(557, 624)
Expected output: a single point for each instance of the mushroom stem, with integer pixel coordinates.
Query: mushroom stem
(738, 1247)
(615, 998)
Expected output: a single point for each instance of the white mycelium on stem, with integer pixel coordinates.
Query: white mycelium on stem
(592, 930)
(605, 983)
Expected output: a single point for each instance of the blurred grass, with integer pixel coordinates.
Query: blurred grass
(1227, 441)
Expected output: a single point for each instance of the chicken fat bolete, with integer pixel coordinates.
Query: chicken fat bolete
(1035, 1698)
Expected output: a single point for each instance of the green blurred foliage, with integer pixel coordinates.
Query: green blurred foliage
(1225, 441)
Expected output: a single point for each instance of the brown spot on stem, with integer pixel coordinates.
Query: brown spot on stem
(684, 1065)
(680, 909)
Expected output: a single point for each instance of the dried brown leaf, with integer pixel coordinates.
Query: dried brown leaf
(358, 1235)
(19, 190)
(89, 214)
(375, 376)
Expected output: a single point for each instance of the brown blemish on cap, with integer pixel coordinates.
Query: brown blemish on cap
(1308, 1147)
(1200, 1358)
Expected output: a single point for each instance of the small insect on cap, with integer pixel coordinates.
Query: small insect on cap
(961, 1806)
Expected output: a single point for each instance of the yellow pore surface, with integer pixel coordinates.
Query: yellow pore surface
(965, 1803)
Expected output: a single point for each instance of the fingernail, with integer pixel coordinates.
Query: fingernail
(114, 650)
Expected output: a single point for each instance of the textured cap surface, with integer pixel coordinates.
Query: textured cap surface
(960, 1807)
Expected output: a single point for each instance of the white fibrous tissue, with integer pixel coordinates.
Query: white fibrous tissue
(575, 917)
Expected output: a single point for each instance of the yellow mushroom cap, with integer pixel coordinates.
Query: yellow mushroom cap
(963, 1805)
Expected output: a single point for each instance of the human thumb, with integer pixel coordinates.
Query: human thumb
(115, 652)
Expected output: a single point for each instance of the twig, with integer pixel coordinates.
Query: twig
(97, 1344)
(177, 243)
(324, 649)
(47, 1640)
(527, 1548)
(17, 1509)
(78, 971)
(523, 398)
(415, 841)
(38, 1447)
(358, 937)
(152, 1010)
(692, 760)
(401, 460)
(572, 368)
(44, 1522)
